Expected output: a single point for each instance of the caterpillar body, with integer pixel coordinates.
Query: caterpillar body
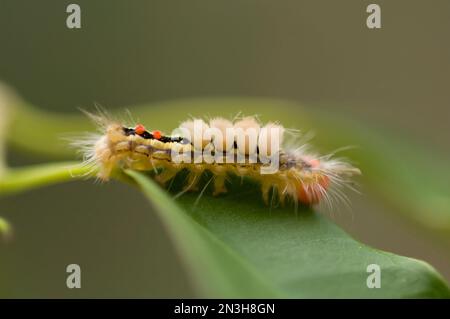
(241, 147)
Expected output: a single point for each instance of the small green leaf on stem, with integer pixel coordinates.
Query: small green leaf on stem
(5, 229)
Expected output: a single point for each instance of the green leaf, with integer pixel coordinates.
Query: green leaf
(236, 246)
(5, 229)
(215, 268)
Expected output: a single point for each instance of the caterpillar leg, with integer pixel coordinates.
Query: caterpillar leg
(282, 196)
(165, 176)
(105, 172)
(219, 185)
(192, 183)
(265, 189)
(107, 167)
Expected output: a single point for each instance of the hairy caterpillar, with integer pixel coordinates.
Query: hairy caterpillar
(242, 147)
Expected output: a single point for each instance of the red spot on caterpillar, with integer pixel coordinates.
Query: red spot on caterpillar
(312, 193)
(314, 163)
(139, 129)
(157, 134)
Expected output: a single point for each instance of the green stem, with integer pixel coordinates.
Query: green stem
(21, 179)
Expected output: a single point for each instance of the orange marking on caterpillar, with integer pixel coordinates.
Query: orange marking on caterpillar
(157, 134)
(139, 129)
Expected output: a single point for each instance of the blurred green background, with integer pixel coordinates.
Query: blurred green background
(319, 53)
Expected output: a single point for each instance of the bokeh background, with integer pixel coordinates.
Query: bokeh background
(319, 53)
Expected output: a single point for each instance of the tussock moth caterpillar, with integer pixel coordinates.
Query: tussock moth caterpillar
(242, 147)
